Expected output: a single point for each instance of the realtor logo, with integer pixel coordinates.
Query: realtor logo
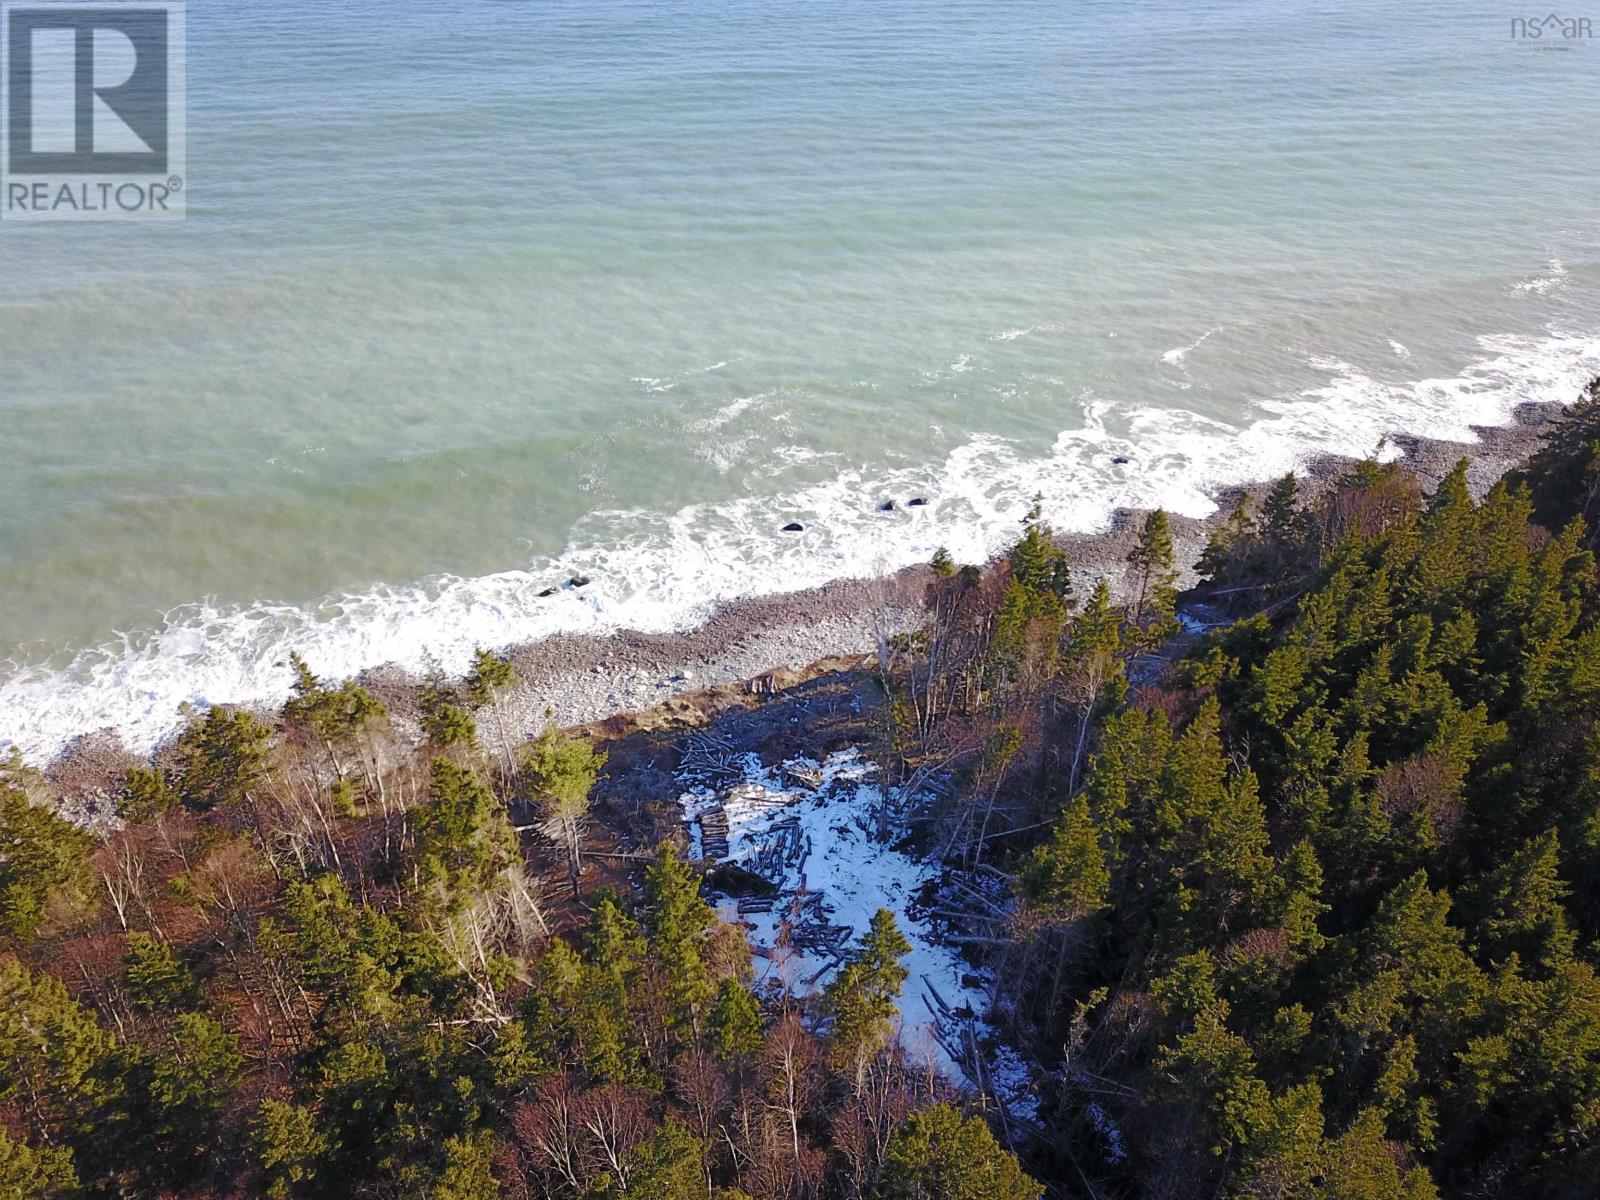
(92, 98)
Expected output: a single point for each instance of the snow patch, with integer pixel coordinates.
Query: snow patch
(812, 829)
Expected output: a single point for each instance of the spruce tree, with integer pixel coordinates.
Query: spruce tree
(864, 996)
(939, 1155)
(679, 923)
(1067, 877)
(560, 772)
(1155, 579)
(45, 872)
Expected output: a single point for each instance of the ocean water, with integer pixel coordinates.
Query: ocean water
(475, 295)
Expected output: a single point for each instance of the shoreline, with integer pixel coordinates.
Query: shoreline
(773, 641)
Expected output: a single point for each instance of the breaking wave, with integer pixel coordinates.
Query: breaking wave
(657, 571)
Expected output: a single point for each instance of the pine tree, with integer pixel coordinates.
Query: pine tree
(157, 980)
(1067, 877)
(616, 955)
(1037, 563)
(445, 723)
(1523, 903)
(467, 1173)
(1362, 1165)
(223, 756)
(52, 1050)
(147, 795)
(668, 1165)
(1564, 475)
(336, 717)
(735, 1021)
(463, 836)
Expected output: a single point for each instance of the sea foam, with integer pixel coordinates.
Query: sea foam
(656, 571)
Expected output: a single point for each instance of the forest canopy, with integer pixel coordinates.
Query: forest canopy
(1302, 903)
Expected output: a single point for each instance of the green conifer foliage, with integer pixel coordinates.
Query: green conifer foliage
(463, 836)
(1067, 877)
(1153, 611)
(157, 980)
(45, 875)
(668, 1165)
(863, 997)
(735, 1021)
(679, 923)
(939, 1155)
(560, 772)
(289, 1146)
(30, 1173)
(223, 756)
(1564, 476)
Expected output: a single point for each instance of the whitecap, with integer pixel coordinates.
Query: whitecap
(1176, 356)
(656, 571)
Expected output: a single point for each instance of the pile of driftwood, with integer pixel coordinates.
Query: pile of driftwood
(711, 757)
(781, 856)
(959, 1035)
(714, 832)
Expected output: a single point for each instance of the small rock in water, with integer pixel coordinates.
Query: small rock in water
(887, 506)
(550, 591)
(1121, 460)
(794, 527)
(578, 581)
(916, 502)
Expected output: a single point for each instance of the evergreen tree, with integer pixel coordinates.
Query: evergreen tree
(44, 866)
(157, 980)
(1067, 877)
(679, 923)
(1155, 580)
(1523, 904)
(146, 795)
(333, 716)
(1564, 475)
(27, 1173)
(463, 837)
(51, 1051)
(735, 1021)
(445, 723)
(560, 772)
(864, 996)
(939, 1155)
(667, 1166)
(1037, 563)
(289, 1147)
(223, 756)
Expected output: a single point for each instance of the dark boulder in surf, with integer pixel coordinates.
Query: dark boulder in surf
(578, 581)
(548, 592)
(916, 502)
(887, 506)
(794, 527)
(1121, 460)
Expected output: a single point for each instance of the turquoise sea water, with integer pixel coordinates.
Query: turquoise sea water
(476, 295)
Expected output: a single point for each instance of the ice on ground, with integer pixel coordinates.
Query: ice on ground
(811, 828)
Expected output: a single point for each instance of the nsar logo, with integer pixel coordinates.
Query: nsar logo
(1551, 32)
